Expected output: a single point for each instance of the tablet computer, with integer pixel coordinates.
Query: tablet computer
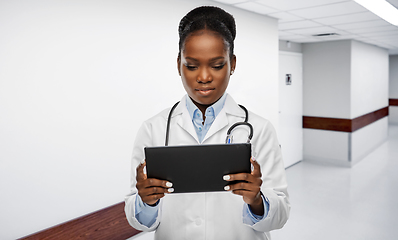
(197, 168)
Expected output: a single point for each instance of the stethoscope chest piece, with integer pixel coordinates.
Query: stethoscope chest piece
(229, 138)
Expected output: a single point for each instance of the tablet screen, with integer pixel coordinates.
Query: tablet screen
(197, 168)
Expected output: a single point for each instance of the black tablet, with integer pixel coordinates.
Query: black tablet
(197, 168)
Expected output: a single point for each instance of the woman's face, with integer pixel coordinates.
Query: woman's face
(205, 67)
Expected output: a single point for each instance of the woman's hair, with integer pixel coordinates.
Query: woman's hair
(210, 18)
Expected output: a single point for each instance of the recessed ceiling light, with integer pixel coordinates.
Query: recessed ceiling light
(382, 9)
(326, 35)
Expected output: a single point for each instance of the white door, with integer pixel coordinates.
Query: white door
(291, 106)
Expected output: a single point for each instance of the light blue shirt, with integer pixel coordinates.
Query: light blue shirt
(147, 215)
(211, 113)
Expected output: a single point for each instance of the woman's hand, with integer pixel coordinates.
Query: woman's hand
(249, 190)
(151, 189)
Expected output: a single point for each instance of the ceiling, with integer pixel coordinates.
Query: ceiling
(301, 20)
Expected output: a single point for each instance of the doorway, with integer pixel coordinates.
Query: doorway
(291, 106)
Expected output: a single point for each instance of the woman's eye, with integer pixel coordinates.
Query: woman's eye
(190, 67)
(219, 67)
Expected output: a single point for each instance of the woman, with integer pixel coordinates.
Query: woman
(245, 210)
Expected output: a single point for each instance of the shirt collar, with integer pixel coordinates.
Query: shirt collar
(217, 106)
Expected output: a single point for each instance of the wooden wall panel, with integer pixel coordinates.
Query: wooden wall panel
(106, 224)
(332, 124)
(344, 125)
(369, 118)
(393, 102)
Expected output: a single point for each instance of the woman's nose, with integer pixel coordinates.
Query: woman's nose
(204, 76)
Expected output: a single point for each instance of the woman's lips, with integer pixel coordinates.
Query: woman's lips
(204, 91)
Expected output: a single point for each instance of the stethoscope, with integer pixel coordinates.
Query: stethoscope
(229, 137)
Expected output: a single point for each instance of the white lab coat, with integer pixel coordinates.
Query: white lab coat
(213, 215)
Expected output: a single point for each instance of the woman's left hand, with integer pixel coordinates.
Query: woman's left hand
(249, 190)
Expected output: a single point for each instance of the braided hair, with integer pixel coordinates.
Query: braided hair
(211, 18)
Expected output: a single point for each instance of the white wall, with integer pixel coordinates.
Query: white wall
(369, 78)
(393, 115)
(288, 46)
(341, 148)
(393, 76)
(369, 92)
(327, 67)
(393, 88)
(344, 79)
(77, 78)
(367, 139)
(330, 147)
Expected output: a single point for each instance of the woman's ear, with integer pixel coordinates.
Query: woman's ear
(233, 64)
(178, 65)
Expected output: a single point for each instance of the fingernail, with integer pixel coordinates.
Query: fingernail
(226, 188)
(170, 190)
(169, 184)
(226, 177)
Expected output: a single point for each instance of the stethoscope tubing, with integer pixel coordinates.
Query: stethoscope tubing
(166, 143)
(228, 132)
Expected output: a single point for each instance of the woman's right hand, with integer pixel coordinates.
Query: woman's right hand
(151, 189)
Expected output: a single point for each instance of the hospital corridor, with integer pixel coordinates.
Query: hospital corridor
(90, 90)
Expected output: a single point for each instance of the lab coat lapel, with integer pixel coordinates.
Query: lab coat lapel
(185, 121)
(219, 123)
(230, 108)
